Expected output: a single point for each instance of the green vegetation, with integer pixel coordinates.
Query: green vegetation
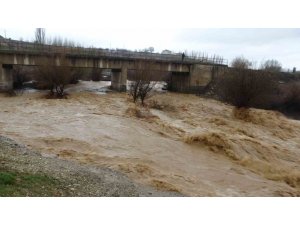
(13, 184)
(7, 178)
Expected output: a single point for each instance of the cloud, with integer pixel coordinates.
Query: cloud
(254, 44)
(237, 36)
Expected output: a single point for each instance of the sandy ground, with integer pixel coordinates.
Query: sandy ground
(191, 145)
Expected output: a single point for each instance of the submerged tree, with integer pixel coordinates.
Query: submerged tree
(143, 80)
(54, 74)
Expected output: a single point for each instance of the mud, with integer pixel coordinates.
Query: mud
(191, 145)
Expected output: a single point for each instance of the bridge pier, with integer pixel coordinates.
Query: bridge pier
(197, 80)
(6, 79)
(119, 79)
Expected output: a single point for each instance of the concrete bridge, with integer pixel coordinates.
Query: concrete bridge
(187, 74)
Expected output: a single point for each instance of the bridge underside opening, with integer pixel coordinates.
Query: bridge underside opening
(14, 76)
(179, 82)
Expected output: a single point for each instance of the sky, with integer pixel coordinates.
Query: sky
(257, 45)
(257, 30)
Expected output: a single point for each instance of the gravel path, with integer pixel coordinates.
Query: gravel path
(76, 179)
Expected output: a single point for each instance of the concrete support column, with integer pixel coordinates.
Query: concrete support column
(6, 79)
(119, 79)
(201, 78)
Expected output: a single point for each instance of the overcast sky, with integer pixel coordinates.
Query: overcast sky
(254, 44)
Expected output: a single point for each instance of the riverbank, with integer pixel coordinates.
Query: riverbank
(24, 172)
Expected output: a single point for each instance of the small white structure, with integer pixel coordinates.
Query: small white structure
(166, 51)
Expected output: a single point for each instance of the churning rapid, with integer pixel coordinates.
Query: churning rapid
(183, 143)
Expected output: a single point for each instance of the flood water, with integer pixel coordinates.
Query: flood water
(193, 145)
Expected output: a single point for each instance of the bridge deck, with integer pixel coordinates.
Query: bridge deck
(18, 47)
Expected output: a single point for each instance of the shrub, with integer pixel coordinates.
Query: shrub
(288, 99)
(142, 84)
(54, 77)
(246, 88)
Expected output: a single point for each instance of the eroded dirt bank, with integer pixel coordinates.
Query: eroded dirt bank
(191, 145)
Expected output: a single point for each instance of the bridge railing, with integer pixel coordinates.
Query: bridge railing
(7, 45)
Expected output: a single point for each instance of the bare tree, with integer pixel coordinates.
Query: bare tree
(40, 35)
(143, 80)
(271, 65)
(241, 63)
(54, 73)
(246, 88)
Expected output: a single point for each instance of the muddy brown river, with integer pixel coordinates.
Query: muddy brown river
(191, 145)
